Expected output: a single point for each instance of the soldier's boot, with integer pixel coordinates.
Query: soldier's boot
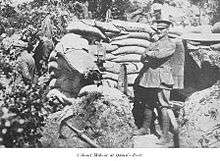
(146, 123)
(165, 128)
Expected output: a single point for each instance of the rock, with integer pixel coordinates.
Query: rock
(216, 28)
(103, 113)
(200, 119)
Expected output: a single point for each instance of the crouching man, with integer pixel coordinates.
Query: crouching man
(26, 65)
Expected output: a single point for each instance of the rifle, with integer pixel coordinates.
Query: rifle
(78, 132)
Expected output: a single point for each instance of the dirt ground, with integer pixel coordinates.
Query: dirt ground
(149, 141)
(146, 141)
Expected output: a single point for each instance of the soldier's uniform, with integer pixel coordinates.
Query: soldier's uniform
(26, 66)
(42, 53)
(155, 80)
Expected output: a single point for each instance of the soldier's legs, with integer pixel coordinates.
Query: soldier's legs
(147, 98)
(163, 98)
(175, 133)
(138, 113)
(138, 108)
(147, 116)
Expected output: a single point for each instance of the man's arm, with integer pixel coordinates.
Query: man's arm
(154, 52)
(163, 52)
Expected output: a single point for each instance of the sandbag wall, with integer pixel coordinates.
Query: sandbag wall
(123, 43)
(123, 53)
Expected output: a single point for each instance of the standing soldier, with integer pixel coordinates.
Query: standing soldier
(155, 80)
(42, 50)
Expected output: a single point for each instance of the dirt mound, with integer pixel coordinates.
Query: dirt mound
(200, 119)
(102, 113)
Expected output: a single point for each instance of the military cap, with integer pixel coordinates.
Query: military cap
(162, 24)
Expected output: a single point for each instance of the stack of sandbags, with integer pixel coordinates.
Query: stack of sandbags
(200, 120)
(127, 48)
(112, 71)
(128, 40)
(103, 114)
(74, 56)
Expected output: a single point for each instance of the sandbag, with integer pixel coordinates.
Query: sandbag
(109, 57)
(216, 47)
(80, 60)
(110, 83)
(108, 47)
(132, 42)
(111, 76)
(106, 27)
(138, 35)
(89, 22)
(133, 26)
(71, 41)
(81, 28)
(113, 34)
(132, 68)
(111, 67)
(216, 28)
(129, 50)
(173, 36)
(127, 58)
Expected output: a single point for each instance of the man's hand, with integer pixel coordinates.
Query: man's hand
(56, 94)
(145, 57)
(155, 37)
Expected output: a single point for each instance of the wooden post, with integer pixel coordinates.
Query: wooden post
(123, 79)
(108, 15)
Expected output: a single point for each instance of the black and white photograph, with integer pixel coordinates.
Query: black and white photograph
(115, 74)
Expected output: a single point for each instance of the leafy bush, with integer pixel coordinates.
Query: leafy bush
(22, 115)
(23, 109)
